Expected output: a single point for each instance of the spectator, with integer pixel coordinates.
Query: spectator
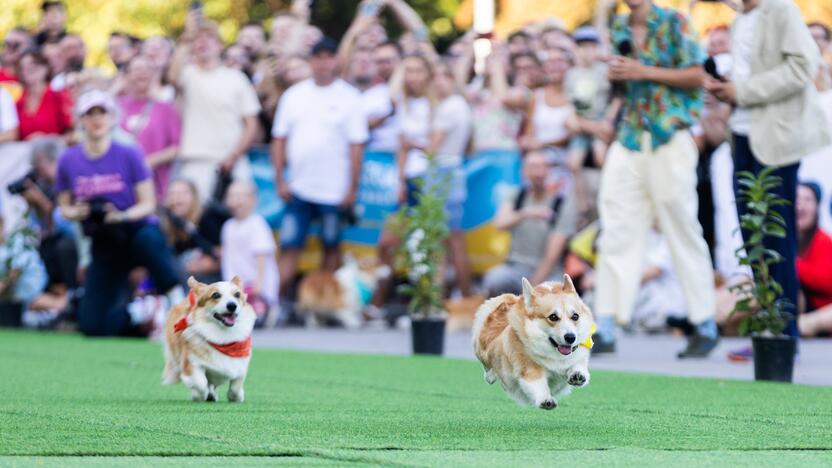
(548, 113)
(318, 138)
(414, 103)
(41, 110)
(361, 70)
(193, 231)
(159, 49)
(497, 107)
(22, 275)
(154, 124)
(237, 58)
(377, 101)
(9, 123)
(540, 222)
(74, 51)
(248, 247)
(108, 188)
(526, 70)
(17, 41)
(814, 264)
(120, 50)
(51, 50)
(519, 42)
(719, 41)
(776, 113)
(219, 110)
(822, 36)
(252, 37)
(52, 25)
(450, 132)
(650, 173)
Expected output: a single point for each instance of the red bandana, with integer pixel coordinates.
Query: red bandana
(235, 349)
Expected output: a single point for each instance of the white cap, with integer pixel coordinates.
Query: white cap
(94, 98)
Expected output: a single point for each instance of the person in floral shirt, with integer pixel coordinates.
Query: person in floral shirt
(650, 173)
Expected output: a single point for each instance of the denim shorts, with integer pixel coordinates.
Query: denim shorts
(300, 214)
(454, 179)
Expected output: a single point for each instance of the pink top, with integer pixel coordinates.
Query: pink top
(155, 126)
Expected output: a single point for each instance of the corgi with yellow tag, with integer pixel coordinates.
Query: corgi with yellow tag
(536, 345)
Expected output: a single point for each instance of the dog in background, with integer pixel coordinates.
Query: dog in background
(324, 297)
(208, 340)
(537, 344)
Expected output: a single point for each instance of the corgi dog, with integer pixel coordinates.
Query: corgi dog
(339, 296)
(537, 344)
(208, 340)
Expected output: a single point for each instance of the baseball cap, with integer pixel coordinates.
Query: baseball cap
(94, 98)
(586, 34)
(326, 44)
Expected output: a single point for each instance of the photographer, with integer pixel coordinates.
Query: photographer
(108, 188)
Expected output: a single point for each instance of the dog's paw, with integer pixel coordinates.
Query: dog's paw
(548, 404)
(237, 397)
(578, 378)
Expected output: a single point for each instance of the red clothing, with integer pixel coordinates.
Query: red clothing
(8, 81)
(814, 269)
(52, 117)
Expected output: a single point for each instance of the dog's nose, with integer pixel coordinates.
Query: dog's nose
(232, 306)
(569, 337)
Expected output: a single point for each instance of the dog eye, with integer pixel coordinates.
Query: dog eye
(216, 296)
(554, 318)
(575, 317)
(237, 294)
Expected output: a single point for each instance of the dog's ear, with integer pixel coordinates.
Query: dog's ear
(528, 294)
(568, 286)
(195, 285)
(236, 281)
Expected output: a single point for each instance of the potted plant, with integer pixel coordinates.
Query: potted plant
(423, 229)
(764, 313)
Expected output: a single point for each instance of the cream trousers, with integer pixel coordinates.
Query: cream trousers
(637, 190)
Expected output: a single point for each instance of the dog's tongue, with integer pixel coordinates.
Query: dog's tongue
(229, 320)
(565, 350)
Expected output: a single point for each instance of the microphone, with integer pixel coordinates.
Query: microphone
(625, 49)
(711, 69)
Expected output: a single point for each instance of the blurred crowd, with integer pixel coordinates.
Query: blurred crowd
(141, 178)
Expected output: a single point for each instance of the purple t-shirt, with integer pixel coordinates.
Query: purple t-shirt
(112, 177)
(159, 129)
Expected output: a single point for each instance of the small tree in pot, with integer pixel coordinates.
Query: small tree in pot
(764, 313)
(423, 229)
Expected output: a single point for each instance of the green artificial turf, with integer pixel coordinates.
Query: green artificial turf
(65, 397)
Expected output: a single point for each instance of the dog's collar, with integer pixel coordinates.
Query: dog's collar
(588, 344)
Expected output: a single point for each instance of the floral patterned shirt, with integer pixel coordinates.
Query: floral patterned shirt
(651, 107)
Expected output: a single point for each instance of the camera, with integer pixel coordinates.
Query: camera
(98, 211)
(20, 185)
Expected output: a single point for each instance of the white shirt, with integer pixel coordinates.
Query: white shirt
(376, 103)
(214, 103)
(242, 241)
(453, 116)
(320, 123)
(741, 42)
(8, 112)
(414, 124)
(549, 124)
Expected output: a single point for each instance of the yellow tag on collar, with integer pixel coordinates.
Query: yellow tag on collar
(588, 343)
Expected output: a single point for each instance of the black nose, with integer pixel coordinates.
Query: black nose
(232, 306)
(569, 337)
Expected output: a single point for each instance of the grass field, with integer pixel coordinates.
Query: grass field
(65, 397)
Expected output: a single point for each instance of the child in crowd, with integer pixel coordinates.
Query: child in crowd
(248, 247)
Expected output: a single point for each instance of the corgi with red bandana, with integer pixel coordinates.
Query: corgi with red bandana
(208, 340)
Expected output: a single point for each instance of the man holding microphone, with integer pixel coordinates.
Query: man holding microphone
(650, 172)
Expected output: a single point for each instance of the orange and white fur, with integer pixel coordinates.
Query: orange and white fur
(537, 344)
(208, 340)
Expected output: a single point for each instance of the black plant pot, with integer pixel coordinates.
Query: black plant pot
(428, 335)
(774, 357)
(10, 314)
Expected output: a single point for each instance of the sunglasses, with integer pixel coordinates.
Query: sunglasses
(12, 45)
